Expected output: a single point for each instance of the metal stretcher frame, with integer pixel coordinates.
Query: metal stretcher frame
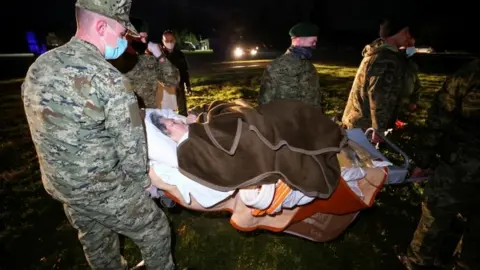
(399, 170)
(397, 174)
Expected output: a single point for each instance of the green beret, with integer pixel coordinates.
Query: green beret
(304, 30)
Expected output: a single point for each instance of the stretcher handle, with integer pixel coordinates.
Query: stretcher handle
(392, 145)
(416, 179)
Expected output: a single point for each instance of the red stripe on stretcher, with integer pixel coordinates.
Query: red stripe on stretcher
(234, 225)
(343, 201)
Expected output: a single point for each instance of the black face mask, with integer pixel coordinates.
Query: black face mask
(302, 52)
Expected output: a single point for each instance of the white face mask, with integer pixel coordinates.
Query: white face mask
(410, 51)
(170, 45)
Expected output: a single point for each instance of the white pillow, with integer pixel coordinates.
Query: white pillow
(161, 148)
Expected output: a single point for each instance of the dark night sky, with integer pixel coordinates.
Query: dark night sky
(265, 20)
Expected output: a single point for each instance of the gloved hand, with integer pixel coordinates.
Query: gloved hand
(154, 49)
(143, 36)
(188, 91)
(399, 124)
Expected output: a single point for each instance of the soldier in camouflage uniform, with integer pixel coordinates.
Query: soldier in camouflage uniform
(89, 137)
(292, 75)
(385, 80)
(152, 73)
(453, 134)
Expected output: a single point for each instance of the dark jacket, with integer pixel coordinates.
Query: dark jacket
(177, 57)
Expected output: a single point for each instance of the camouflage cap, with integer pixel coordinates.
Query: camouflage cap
(118, 10)
(304, 30)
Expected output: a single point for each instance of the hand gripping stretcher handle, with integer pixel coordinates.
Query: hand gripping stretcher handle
(406, 159)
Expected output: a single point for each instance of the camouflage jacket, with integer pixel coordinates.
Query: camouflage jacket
(289, 77)
(168, 74)
(147, 73)
(85, 124)
(385, 81)
(452, 128)
(178, 59)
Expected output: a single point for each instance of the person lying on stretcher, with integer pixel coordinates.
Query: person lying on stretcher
(271, 197)
(265, 197)
(279, 137)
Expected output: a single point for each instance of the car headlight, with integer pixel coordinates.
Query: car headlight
(238, 52)
(253, 52)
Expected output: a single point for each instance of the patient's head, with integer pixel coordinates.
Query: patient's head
(175, 129)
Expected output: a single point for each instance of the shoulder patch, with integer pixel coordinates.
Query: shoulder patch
(135, 114)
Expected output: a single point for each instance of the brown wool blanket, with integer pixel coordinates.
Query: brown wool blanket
(234, 145)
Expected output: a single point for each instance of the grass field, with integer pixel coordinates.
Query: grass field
(34, 233)
(197, 52)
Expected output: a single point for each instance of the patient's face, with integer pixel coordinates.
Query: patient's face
(176, 128)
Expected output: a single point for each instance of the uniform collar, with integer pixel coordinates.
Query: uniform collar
(87, 45)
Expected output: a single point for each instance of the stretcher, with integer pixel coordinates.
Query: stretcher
(321, 227)
(323, 219)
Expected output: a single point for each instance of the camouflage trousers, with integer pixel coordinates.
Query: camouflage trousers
(130, 212)
(447, 195)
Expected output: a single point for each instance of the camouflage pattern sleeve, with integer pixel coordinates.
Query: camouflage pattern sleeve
(123, 121)
(266, 93)
(440, 114)
(451, 113)
(143, 79)
(415, 96)
(168, 74)
(382, 93)
(314, 94)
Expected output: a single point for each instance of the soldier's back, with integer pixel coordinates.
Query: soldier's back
(289, 77)
(385, 66)
(143, 78)
(462, 92)
(64, 94)
(169, 75)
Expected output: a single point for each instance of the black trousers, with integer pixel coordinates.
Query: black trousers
(181, 100)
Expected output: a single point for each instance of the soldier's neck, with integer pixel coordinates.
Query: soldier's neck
(85, 36)
(391, 41)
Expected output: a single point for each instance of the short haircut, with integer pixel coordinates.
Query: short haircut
(86, 17)
(157, 122)
(169, 32)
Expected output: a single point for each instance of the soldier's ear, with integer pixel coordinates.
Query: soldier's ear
(101, 27)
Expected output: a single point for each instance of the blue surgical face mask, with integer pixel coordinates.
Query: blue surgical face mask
(410, 51)
(114, 53)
